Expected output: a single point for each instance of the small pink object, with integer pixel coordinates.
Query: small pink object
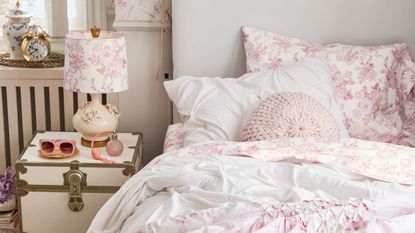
(114, 146)
(287, 115)
(96, 154)
(107, 161)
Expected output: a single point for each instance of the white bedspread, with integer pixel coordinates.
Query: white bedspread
(291, 185)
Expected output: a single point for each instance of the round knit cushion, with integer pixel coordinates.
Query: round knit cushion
(288, 114)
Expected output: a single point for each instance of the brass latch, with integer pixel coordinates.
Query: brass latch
(75, 179)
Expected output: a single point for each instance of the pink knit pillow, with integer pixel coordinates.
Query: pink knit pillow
(288, 114)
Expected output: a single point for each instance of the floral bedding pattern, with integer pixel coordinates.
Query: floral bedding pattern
(372, 82)
(381, 161)
(320, 216)
(375, 158)
(284, 185)
(174, 138)
(409, 123)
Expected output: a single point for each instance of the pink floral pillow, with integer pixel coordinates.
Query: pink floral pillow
(287, 115)
(409, 124)
(372, 82)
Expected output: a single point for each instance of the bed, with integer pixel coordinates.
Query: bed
(350, 170)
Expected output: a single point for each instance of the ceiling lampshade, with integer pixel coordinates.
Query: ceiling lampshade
(95, 62)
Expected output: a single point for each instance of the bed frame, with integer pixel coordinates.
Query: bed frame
(207, 39)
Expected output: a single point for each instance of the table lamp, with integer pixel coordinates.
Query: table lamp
(95, 63)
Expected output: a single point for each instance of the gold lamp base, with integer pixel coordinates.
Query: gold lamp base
(97, 144)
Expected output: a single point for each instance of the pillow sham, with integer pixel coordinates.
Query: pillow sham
(369, 85)
(218, 108)
(287, 115)
(309, 76)
(211, 109)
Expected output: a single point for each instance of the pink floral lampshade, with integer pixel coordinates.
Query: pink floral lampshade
(95, 65)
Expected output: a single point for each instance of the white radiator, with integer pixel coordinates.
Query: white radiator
(29, 102)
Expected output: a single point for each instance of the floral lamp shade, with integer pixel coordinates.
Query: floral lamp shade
(95, 65)
(95, 62)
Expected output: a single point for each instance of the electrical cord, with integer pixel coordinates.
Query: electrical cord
(165, 18)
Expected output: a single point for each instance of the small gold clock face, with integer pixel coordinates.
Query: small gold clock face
(35, 46)
(36, 49)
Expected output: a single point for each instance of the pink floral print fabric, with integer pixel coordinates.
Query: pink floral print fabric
(265, 50)
(284, 185)
(354, 215)
(95, 66)
(174, 137)
(381, 161)
(372, 83)
(378, 161)
(409, 123)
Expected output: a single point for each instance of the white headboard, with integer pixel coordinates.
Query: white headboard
(207, 39)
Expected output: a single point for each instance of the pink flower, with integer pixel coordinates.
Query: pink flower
(76, 58)
(7, 185)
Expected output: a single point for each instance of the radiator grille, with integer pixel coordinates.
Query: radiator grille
(30, 105)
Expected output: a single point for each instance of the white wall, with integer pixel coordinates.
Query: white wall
(145, 106)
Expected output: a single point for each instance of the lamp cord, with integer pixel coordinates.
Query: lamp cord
(95, 153)
(166, 16)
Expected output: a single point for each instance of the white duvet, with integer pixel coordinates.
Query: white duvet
(290, 185)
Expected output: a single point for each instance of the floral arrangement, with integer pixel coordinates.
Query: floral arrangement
(7, 185)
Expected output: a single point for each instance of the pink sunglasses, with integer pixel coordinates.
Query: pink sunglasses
(57, 147)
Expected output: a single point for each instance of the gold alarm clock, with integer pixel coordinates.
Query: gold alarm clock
(35, 45)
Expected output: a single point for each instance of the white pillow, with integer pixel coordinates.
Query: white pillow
(218, 108)
(211, 108)
(309, 76)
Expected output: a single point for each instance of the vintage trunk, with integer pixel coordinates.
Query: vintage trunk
(64, 195)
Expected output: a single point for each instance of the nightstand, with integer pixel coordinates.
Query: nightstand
(63, 195)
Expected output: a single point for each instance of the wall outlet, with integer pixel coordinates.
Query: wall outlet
(167, 76)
